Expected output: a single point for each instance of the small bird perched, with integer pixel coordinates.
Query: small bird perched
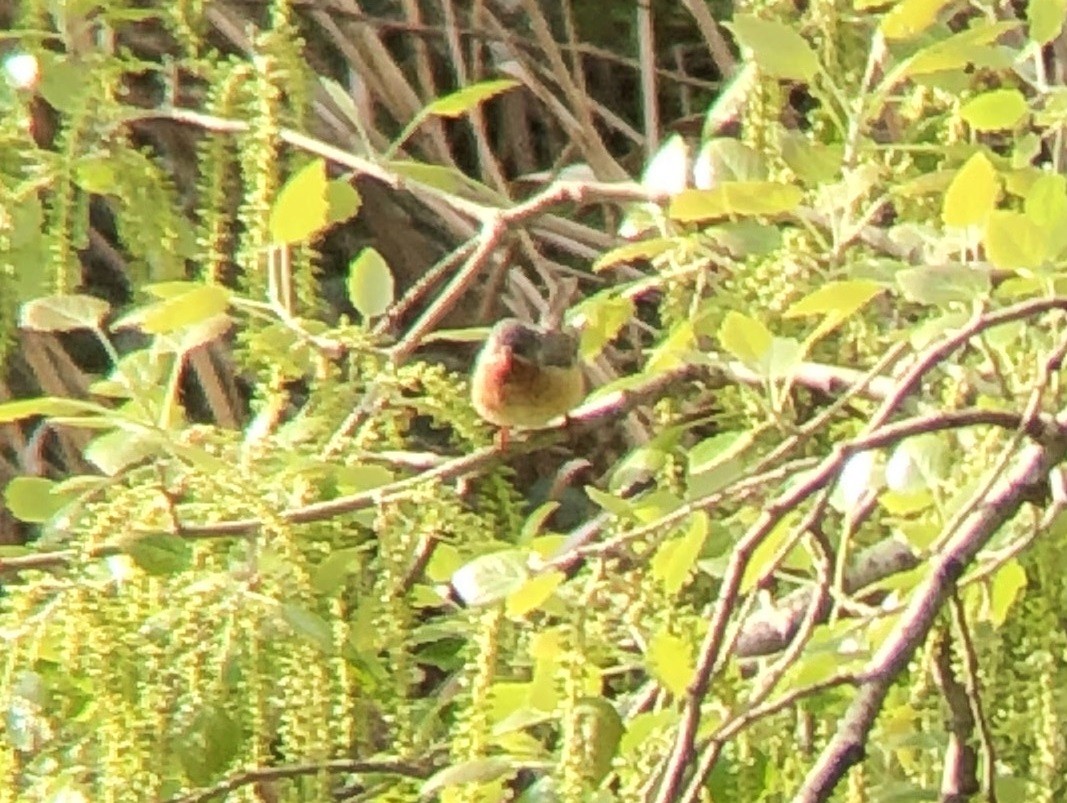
(526, 375)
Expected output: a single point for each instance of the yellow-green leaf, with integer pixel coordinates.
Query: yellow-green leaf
(198, 305)
(160, 553)
(632, 252)
(676, 558)
(370, 283)
(1012, 240)
(735, 198)
(745, 338)
(972, 194)
(1046, 19)
(996, 110)
(841, 298)
(343, 200)
(910, 18)
(302, 208)
(670, 661)
(777, 48)
(48, 406)
(604, 316)
(465, 99)
(33, 499)
(532, 594)
(959, 50)
(763, 555)
(944, 284)
(1006, 587)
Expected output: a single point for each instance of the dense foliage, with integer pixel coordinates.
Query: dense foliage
(802, 541)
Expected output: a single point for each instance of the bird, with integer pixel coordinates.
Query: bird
(526, 375)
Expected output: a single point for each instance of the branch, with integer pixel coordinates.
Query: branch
(847, 746)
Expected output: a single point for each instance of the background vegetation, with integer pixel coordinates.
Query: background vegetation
(803, 541)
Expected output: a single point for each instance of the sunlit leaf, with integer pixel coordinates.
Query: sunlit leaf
(727, 159)
(479, 770)
(1012, 240)
(343, 200)
(463, 100)
(302, 208)
(1006, 588)
(842, 298)
(745, 338)
(670, 661)
(604, 315)
(675, 559)
(33, 499)
(813, 162)
(972, 194)
(944, 284)
(959, 50)
(370, 283)
(909, 18)
(777, 48)
(764, 554)
(62, 313)
(996, 110)
(532, 594)
(735, 198)
(119, 449)
(49, 406)
(633, 252)
(1046, 19)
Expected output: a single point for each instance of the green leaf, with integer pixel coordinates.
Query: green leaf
(370, 283)
(728, 159)
(1046, 19)
(813, 162)
(461, 102)
(478, 770)
(343, 201)
(735, 198)
(959, 50)
(491, 578)
(670, 662)
(309, 626)
(1012, 240)
(633, 252)
(116, 450)
(777, 48)
(160, 553)
(910, 18)
(944, 284)
(972, 194)
(1046, 207)
(611, 502)
(764, 554)
(302, 208)
(49, 406)
(532, 594)
(676, 558)
(198, 305)
(329, 576)
(746, 237)
(62, 313)
(1005, 589)
(605, 315)
(840, 298)
(745, 338)
(996, 110)
(32, 499)
(782, 359)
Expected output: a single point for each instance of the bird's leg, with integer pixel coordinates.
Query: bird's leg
(502, 438)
